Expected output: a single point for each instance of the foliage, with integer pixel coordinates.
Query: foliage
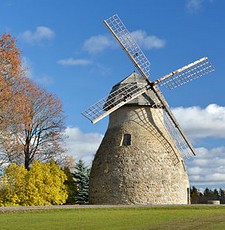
(71, 186)
(202, 198)
(11, 70)
(13, 186)
(11, 82)
(33, 125)
(81, 176)
(195, 195)
(43, 184)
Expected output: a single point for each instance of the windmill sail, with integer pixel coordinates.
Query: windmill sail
(123, 36)
(173, 128)
(186, 74)
(113, 101)
(185, 148)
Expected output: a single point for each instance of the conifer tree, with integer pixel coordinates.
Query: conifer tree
(195, 195)
(71, 186)
(81, 177)
(222, 196)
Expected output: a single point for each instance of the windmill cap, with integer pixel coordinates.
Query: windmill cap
(147, 98)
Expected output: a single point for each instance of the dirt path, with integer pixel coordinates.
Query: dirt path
(25, 208)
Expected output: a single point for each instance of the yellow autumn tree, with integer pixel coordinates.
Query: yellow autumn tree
(13, 185)
(43, 184)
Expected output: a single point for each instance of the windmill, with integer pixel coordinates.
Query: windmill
(140, 159)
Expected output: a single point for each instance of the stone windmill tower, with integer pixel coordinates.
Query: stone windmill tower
(140, 159)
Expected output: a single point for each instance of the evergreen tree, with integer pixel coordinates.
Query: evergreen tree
(207, 194)
(71, 186)
(215, 194)
(222, 196)
(81, 177)
(195, 195)
(202, 198)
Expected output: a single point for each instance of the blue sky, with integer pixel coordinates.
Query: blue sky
(68, 50)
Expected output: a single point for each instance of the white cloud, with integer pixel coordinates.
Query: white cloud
(146, 41)
(41, 33)
(202, 122)
(208, 167)
(194, 6)
(82, 145)
(98, 43)
(44, 79)
(74, 62)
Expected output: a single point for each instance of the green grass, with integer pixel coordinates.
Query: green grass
(181, 217)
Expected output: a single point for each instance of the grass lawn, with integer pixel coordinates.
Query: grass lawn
(181, 217)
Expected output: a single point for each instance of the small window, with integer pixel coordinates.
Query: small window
(127, 139)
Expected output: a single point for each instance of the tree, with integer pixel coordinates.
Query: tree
(68, 165)
(81, 175)
(208, 194)
(13, 185)
(37, 131)
(215, 194)
(222, 196)
(11, 81)
(71, 186)
(11, 70)
(195, 195)
(31, 119)
(43, 184)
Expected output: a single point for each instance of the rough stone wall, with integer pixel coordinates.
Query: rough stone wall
(148, 171)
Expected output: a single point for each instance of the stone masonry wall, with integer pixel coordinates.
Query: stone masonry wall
(148, 171)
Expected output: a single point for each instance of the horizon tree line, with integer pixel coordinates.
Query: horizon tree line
(198, 197)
